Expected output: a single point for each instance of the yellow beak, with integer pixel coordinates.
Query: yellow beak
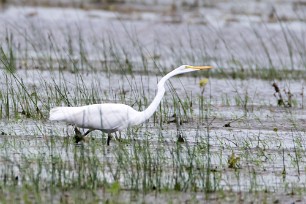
(199, 67)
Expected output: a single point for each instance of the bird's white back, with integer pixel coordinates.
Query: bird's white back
(108, 117)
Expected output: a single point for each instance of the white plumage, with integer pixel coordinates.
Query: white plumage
(108, 117)
(111, 117)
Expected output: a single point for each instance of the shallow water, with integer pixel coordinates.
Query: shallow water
(232, 35)
(76, 56)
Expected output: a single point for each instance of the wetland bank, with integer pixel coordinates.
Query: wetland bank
(244, 140)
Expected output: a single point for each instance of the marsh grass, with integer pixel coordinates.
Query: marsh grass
(43, 164)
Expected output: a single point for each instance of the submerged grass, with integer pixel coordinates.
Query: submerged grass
(46, 166)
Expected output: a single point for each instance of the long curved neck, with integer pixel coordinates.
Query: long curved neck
(148, 112)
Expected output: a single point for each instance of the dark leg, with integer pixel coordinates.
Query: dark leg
(87, 132)
(77, 131)
(109, 137)
(180, 138)
(78, 135)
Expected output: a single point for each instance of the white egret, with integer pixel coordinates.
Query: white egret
(112, 117)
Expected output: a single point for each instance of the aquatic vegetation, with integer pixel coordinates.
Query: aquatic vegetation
(216, 136)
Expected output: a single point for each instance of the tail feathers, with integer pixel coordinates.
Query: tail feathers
(58, 113)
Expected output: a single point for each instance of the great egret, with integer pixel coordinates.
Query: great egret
(112, 117)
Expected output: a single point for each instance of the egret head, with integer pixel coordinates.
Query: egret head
(189, 68)
(181, 70)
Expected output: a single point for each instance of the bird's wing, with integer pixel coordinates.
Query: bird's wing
(105, 117)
